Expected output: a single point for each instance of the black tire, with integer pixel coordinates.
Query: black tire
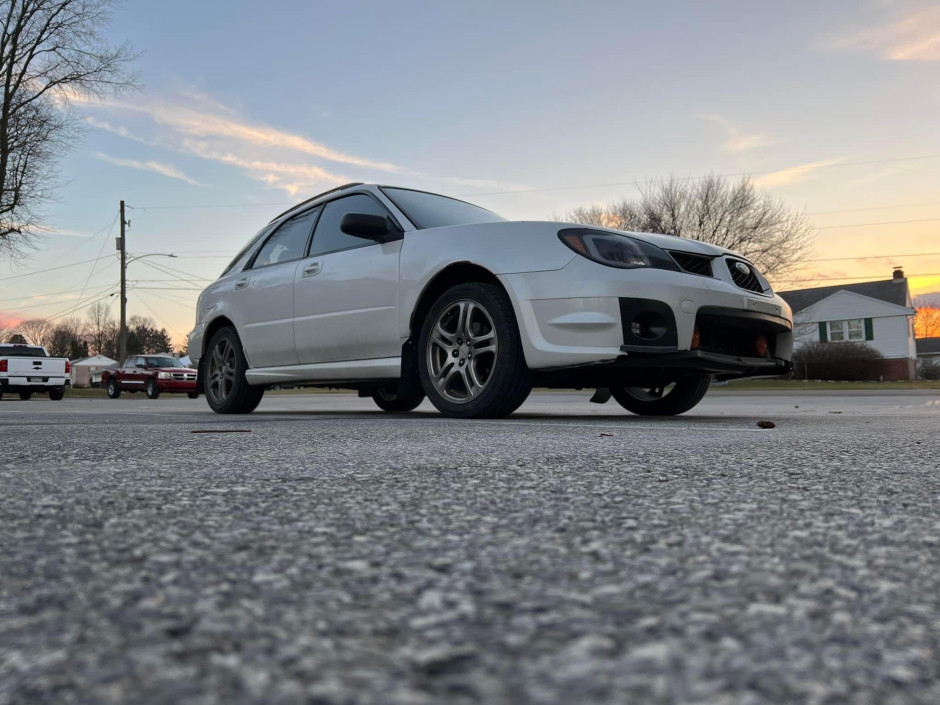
(685, 394)
(56, 394)
(153, 391)
(26, 396)
(192, 395)
(229, 392)
(389, 399)
(114, 391)
(508, 381)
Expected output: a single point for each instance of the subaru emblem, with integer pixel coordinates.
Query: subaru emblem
(741, 267)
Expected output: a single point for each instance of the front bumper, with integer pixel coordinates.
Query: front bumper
(723, 366)
(582, 315)
(173, 385)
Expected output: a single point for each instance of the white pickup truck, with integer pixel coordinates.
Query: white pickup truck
(27, 369)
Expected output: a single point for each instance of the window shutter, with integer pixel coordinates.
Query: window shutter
(822, 332)
(869, 330)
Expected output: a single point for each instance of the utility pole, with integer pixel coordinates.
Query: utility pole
(122, 246)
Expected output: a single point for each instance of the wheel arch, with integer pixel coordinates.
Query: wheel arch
(211, 329)
(449, 276)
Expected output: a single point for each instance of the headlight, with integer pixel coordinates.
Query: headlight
(615, 250)
(164, 375)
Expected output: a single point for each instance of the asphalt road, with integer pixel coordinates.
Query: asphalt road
(334, 554)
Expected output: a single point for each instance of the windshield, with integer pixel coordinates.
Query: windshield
(21, 351)
(163, 362)
(428, 210)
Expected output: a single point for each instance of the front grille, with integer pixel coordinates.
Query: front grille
(693, 264)
(184, 376)
(747, 281)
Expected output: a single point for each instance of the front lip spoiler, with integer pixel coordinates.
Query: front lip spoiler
(708, 362)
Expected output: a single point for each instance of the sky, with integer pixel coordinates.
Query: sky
(527, 108)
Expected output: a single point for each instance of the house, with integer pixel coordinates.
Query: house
(878, 313)
(928, 348)
(87, 372)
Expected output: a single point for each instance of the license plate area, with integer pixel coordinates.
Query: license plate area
(35, 379)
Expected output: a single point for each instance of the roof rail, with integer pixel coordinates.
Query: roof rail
(319, 195)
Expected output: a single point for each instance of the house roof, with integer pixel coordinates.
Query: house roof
(927, 345)
(894, 291)
(95, 360)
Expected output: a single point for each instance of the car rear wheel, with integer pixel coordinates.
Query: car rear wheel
(664, 400)
(114, 391)
(227, 390)
(56, 394)
(153, 391)
(388, 399)
(470, 361)
(26, 396)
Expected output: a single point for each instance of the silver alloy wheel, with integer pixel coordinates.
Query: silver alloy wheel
(221, 371)
(461, 352)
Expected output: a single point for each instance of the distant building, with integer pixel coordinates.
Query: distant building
(879, 314)
(87, 372)
(928, 348)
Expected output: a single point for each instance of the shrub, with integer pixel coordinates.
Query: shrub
(838, 361)
(928, 368)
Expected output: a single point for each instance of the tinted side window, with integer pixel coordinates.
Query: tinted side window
(329, 238)
(288, 242)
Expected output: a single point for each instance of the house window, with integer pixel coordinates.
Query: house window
(850, 330)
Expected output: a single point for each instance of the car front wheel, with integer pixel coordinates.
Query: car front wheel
(470, 359)
(227, 390)
(26, 396)
(56, 394)
(664, 400)
(153, 391)
(113, 390)
(192, 395)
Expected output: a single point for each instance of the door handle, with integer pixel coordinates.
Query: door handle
(242, 283)
(312, 269)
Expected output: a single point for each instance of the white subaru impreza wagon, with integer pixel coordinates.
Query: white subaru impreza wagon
(402, 294)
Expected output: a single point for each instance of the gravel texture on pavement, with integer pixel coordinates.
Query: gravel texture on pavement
(569, 554)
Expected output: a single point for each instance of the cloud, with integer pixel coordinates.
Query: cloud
(736, 142)
(64, 231)
(157, 167)
(793, 175)
(216, 122)
(912, 38)
(195, 124)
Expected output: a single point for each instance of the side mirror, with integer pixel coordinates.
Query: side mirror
(371, 227)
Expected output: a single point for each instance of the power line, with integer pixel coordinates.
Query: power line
(94, 265)
(637, 182)
(53, 269)
(813, 279)
(888, 222)
(877, 208)
(909, 254)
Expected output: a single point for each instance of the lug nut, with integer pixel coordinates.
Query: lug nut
(455, 353)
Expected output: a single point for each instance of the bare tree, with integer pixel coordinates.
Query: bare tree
(736, 216)
(100, 324)
(35, 330)
(6, 332)
(51, 52)
(927, 322)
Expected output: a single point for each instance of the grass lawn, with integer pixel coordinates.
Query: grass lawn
(820, 386)
(767, 385)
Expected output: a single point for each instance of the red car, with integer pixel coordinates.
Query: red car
(153, 374)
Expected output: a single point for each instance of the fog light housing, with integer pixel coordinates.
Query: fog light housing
(696, 338)
(760, 346)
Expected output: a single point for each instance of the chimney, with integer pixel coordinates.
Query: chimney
(898, 275)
